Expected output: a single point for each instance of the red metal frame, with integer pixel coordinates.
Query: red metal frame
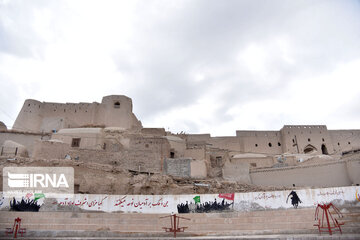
(174, 221)
(326, 212)
(16, 228)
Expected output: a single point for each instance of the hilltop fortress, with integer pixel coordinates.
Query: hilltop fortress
(109, 133)
(113, 111)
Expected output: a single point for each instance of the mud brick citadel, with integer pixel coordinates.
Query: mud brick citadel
(224, 186)
(108, 133)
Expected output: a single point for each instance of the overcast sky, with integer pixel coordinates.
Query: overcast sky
(197, 66)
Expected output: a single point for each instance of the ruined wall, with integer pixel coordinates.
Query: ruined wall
(115, 111)
(185, 168)
(195, 153)
(177, 146)
(50, 150)
(198, 169)
(229, 143)
(26, 139)
(321, 175)
(194, 140)
(178, 167)
(154, 131)
(236, 171)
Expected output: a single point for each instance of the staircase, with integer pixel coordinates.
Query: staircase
(97, 224)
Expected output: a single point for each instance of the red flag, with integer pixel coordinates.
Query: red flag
(228, 196)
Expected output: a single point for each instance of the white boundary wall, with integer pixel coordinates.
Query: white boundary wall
(340, 196)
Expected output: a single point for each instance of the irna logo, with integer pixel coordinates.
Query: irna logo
(18, 180)
(47, 180)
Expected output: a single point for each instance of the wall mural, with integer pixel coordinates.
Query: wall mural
(204, 203)
(210, 206)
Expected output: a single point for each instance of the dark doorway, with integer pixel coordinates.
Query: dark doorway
(324, 149)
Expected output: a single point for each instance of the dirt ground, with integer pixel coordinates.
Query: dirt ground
(94, 178)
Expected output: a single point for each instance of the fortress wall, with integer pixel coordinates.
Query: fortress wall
(117, 115)
(114, 111)
(50, 150)
(230, 143)
(29, 118)
(345, 140)
(315, 135)
(262, 144)
(324, 175)
(26, 139)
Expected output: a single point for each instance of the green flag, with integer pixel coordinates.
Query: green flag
(38, 196)
(197, 199)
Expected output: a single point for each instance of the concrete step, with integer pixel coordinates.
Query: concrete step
(81, 224)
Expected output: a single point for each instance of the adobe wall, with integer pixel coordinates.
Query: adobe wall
(177, 146)
(255, 162)
(197, 139)
(26, 139)
(260, 141)
(92, 138)
(50, 150)
(195, 153)
(321, 175)
(345, 140)
(198, 169)
(230, 143)
(236, 171)
(113, 111)
(297, 137)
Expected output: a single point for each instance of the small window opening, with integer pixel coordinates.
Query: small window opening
(279, 144)
(323, 140)
(309, 140)
(324, 149)
(218, 161)
(338, 144)
(349, 143)
(75, 142)
(256, 145)
(117, 105)
(270, 145)
(146, 145)
(293, 140)
(172, 155)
